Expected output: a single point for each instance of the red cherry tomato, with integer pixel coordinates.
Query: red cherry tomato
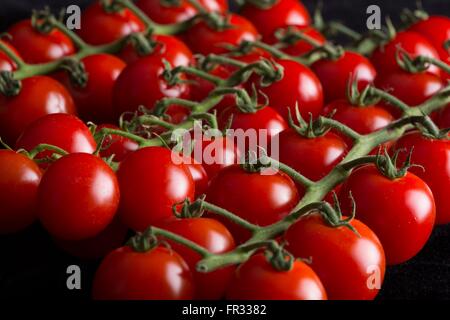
(166, 14)
(94, 101)
(39, 96)
(100, 27)
(269, 196)
(6, 63)
(299, 85)
(302, 47)
(19, 182)
(152, 180)
(158, 274)
(336, 74)
(116, 145)
(201, 38)
(167, 47)
(351, 267)
(400, 211)
(198, 174)
(141, 83)
(384, 58)
(62, 130)
(213, 236)
(282, 14)
(312, 157)
(437, 30)
(444, 118)
(256, 279)
(434, 157)
(36, 47)
(78, 197)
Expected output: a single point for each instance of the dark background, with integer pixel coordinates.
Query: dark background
(32, 266)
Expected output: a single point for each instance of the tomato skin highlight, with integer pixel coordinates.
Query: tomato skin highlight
(256, 279)
(401, 211)
(78, 197)
(151, 183)
(158, 274)
(6, 63)
(342, 260)
(19, 182)
(213, 236)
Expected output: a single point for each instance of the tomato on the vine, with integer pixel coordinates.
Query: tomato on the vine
(6, 63)
(19, 182)
(152, 180)
(37, 47)
(78, 197)
(350, 266)
(116, 145)
(302, 47)
(257, 279)
(101, 26)
(39, 96)
(400, 211)
(157, 274)
(213, 236)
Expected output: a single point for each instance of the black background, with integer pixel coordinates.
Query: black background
(32, 266)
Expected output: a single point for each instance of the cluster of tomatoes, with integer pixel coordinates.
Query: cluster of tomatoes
(88, 185)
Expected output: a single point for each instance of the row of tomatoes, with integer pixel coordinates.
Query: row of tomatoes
(94, 221)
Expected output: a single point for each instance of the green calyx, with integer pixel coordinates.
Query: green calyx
(43, 20)
(77, 72)
(362, 99)
(111, 6)
(333, 214)
(280, 259)
(311, 129)
(142, 43)
(9, 86)
(143, 241)
(387, 165)
(255, 164)
(190, 209)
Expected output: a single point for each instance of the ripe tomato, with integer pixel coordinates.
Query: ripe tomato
(19, 181)
(203, 39)
(152, 180)
(167, 47)
(198, 174)
(168, 14)
(351, 267)
(78, 197)
(213, 236)
(158, 274)
(336, 74)
(283, 13)
(434, 157)
(400, 211)
(94, 101)
(269, 196)
(59, 129)
(256, 279)
(39, 96)
(141, 83)
(302, 47)
(36, 47)
(117, 145)
(6, 63)
(411, 88)
(444, 118)
(319, 155)
(100, 27)
(413, 43)
(299, 85)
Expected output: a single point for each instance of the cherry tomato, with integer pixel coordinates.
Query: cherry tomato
(318, 155)
(269, 196)
(434, 157)
(299, 85)
(411, 88)
(437, 30)
(351, 267)
(167, 47)
(152, 180)
(158, 274)
(198, 174)
(444, 118)
(78, 197)
(6, 63)
(98, 26)
(116, 145)
(201, 38)
(39, 96)
(167, 14)
(384, 58)
(213, 236)
(282, 14)
(59, 129)
(19, 182)
(336, 74)
(94, 100)
(302, 47)
(256, 279)
(400, 211)
(141, 83)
